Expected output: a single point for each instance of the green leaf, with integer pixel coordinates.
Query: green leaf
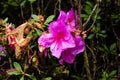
(84, 15)
(13, 4)
(49, 19)
(105, 47)
(23, 3)
(34, 45)
(17, 66)
(102, 35)
(89, 3)
(13, 72)
(5, 20)
(88, 9)
(22, 78)
(91, 36)
(103, 31)
(35, 17)
(31, 1)
(112, 47)
(98, 17)
(39, 32)
(31, 77)
(48, 78)
(105, 75)
(101, 49)
(112, 73)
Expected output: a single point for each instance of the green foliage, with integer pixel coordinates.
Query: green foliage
(17, 66)
(31, 1)
(13, 72)
(49, 19)
(109, 50)
(18, 71)
(108, 76)
(48, 78)
(35, 17)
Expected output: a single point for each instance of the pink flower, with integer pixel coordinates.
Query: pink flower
(58, 39)
(69, 54)
(62, 43)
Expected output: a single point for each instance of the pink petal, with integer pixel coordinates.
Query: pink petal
(62, 16)
(57, 27)
(79, 45)
(45, 40)
(70, 16)
(59, 46)
(56, 50)
(69, 54)
(68, 57)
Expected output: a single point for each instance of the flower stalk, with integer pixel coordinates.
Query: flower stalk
(86, 64)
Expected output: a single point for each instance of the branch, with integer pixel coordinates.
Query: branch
(90, 16)
(86, 64)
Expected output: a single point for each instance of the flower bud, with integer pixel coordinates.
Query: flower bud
(41, 18)
(38, 25)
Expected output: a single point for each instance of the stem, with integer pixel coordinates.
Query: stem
(21, 9)
(90, 16)
(87, 65)
(59, 5)
(31, 7)
(94, 61)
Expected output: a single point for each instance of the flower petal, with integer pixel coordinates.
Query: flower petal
(56, 50)
(70, 16)
(57, 27)
(62, 16)
(45, 40)
(68, 57)
(69, 54)
(79, 45)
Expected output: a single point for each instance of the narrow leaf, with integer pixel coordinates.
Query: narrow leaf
(112, 73)
(91, 36)
(31, 1)
(13, 72)
(49, 19)
(22, 78)
(39, 32)
(48, 78)
(112, 47)
(31, 77)
(17, 66)
(35, 17)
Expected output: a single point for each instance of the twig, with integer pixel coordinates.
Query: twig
(38, 7)
(42, 6)
(31, 7)
(47, 5)
(96, 14)
(10, 61)
(86, 64)
(90, 16)
(79, 13)
(55, 8)
(21, 10)
(59, 4)
(94, 60)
